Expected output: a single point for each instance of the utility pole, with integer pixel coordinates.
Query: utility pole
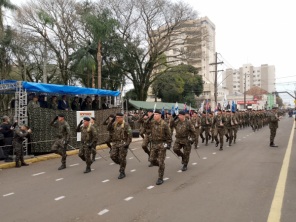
(216, 76)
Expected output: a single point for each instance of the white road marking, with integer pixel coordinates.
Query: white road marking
(197, 146)
(214, 153)
(128, 198)
(8, 194)
(59, 179)
(59, 198)
(97, 158)
(105, 181)
(204, 158)
(194, 163)
(166, 178)
(75, 164)
(111, 163)
(150, 187)
(133, 170)
(103, 212)
(277, 202)
(179, 171)
(37, 174)
(168, 157)
(134, 149)
(131, 158)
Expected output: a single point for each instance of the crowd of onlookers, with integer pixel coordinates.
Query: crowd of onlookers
(64, 103)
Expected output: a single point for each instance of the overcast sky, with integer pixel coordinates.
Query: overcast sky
(256, 32)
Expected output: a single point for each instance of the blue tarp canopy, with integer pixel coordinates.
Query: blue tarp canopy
(61, 89)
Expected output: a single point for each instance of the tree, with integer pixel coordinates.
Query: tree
(148, 29)
(63, 34)
(180, 84)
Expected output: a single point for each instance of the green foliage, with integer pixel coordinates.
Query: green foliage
(179, 84)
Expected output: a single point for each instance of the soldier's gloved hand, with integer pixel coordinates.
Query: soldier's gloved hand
(125, 146)
(56, 118)
(175, 118)
(81, 122)
(89, 145)
(191, 141)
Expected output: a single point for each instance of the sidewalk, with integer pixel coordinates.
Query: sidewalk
(4, 165)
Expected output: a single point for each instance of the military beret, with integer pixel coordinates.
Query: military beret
(86, 118)
(187, 112)
(112, 115)
(204, 112)
(119, 114)
(181, 113)
(61, 115)
(158, 111)
(150, 110)
(228, 111)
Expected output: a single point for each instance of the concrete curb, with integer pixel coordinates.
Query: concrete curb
(53, 156)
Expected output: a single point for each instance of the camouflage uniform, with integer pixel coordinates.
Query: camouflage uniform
(196, 123)
(205, 127)
(111, 131)
(147, 125)
(184, 130)
(160, 135)
(121, 138)
(218, 124)
(63, 138)
(273, 125)
(17, 144)
(89, 139)
(228, 128)
(235, 126)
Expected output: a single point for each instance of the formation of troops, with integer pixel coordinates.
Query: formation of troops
(190, 129)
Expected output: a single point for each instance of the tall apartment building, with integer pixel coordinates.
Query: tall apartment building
(244, 78)
(197, 39)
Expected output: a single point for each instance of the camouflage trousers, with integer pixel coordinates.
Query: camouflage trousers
(145, 144)
(197, 133)
(18, 151)
(118, 155)
(59, 148)
(84, 154)
(157, 157)
(229, 134)
(219, 131)
(272, 134)
(207, 133)
(185, 144)
(94, 150)
(235, 129)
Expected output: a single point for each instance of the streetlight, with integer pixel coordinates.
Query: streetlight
(245, 92)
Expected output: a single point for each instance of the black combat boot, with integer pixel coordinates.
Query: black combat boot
(121, 175)
(17, 164)
(221, 148)
(87, 170)
(94, 158)
(184, 168)
(150, 165)
(159, 181)
(63, 166)
(272, 145)
(217, 143)
(24, 164)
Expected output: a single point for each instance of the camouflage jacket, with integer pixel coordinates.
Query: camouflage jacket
(184, 129)
(89, 134)
(63, 131)
(161, 132)
(122, 133)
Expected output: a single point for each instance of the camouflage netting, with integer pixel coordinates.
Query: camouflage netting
(43, 134)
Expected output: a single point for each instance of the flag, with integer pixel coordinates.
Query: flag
(176, 109)
(173, 110)
(154, 108)
(233, 106)
(225, 101)
(201, 109)
(162, 112)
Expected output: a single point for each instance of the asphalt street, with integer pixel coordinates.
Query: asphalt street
(243, 183)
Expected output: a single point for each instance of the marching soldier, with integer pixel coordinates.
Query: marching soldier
(273, 125)
(205, 127)
(235, 125)
(147, 124)
(161, 141)
(106, 122)
(20, 135)
(218, 125)
(195, 120)
(184, 130)
(121, 139)
(94, 149)
(89, 140)
(63, 138)
(228, 127)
